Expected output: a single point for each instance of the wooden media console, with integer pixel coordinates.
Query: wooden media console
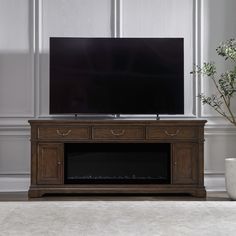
(183, 141)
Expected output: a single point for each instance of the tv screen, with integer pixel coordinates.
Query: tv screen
(116, 76)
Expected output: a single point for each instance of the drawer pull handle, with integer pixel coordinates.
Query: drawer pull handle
(118, 133)
(63, 133)
(172, 134)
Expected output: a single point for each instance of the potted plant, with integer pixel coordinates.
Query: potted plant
(225, 85)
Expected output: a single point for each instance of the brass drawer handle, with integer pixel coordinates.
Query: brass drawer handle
(118, 133)
(63, 133)
(172, 134)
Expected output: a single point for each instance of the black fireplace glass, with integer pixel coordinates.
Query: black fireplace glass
(121, 163)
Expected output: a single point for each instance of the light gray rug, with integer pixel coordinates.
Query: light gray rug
(113, 218)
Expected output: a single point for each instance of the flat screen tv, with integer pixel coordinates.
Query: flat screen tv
(116, 76)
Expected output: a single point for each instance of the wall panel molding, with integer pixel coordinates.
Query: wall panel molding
(168, 18)
(218, 24)
(210, 129)
(117, 12)
(15, 132)
(37, 51)
(219, 134)
(197, 54)
(14, 122)
(28, 112)
(15, 152)
(117, 21)
(72, 18)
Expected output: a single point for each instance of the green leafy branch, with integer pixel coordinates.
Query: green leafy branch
(225, 84)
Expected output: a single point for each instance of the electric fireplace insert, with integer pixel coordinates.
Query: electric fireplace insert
(121, 163)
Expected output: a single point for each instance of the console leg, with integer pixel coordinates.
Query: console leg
(35, 193)
(201, 193)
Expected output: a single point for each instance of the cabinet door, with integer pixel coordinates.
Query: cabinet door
(50, 163)
(184, 163)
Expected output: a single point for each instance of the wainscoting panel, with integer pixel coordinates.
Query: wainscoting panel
(219, 144)
(165, 18)
(68, 18)
(14, 153)
(25, 28)
(16, 72)
(218, 24)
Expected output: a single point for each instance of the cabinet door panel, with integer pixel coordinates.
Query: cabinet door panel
(185, 163)
(50, 163)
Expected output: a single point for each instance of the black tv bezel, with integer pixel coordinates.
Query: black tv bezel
(117, 114)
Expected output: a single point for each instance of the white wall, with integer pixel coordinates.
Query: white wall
(26, 25)
(218, 24)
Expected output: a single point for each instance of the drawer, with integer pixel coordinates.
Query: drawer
(63, 132)
(118, 132)
(171, 132)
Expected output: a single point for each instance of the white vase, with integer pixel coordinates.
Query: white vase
(230, 177)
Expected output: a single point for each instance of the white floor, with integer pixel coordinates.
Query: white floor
(118, 218)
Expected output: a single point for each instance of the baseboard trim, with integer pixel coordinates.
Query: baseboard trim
(14, 183)
(21, 183)
(214, 182)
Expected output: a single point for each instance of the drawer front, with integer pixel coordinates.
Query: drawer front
(118, 132)
(63, 132)
(171, 132)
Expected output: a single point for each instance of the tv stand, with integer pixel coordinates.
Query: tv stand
(117, 116)
(185, 139)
